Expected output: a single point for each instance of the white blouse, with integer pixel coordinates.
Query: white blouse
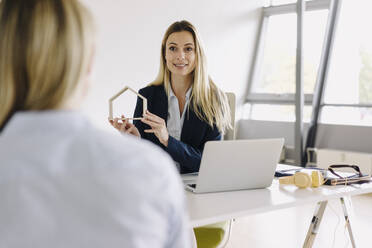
(175, 119)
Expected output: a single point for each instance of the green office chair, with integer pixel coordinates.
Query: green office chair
(217, 235)
(213, 236)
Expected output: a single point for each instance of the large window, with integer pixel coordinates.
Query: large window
(347, 97)
(348, 93)
(336, 66)
(271, 95)
(279, 61)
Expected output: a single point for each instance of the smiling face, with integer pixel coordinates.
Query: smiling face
(180, 53)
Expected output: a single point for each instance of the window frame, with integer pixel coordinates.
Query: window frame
(298, 99)
(267, 12)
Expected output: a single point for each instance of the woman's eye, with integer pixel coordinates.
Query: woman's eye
(172, 48)
(189, 49)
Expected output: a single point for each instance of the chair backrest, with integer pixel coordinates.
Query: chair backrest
(230, 133)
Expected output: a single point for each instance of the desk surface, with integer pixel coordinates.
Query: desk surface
(210, 208)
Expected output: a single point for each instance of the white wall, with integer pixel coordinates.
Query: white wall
(129, 36)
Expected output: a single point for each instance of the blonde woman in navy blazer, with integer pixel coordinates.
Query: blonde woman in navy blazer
(204, 113)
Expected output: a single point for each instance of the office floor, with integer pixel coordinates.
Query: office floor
(288, 228)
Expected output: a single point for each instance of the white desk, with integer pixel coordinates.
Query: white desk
(210, 208)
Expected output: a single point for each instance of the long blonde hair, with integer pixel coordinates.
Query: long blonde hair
(45, 47)
(208, 102)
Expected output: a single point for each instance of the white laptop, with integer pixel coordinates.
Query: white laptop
(237, 165)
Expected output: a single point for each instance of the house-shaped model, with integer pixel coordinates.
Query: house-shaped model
(120, 93)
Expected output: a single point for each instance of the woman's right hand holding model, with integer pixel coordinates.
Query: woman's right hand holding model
(158, 127)
(125, 126)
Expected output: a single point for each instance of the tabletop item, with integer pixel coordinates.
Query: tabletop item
(237, 164)
(111, 100)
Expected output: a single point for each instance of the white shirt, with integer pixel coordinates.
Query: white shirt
(64, 183)
(175, 119)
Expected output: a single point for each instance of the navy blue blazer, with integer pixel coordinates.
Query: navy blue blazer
(195, 132)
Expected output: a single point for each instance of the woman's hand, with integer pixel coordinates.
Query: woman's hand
(158, 127)
(125, 126)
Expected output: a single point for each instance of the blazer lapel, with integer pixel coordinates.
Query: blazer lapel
(163, 104)
(189, 124)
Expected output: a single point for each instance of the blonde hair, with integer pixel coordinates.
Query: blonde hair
(208, 102)
(46, 47)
